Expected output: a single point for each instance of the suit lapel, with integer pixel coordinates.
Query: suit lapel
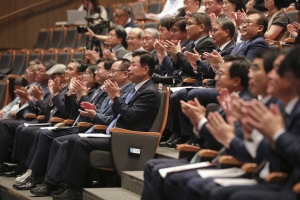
(292, 116)
(140, 90)
(227, 47)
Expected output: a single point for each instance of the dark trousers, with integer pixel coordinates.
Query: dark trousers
(57, 158)
(7, 132)
(181, 123)
(23, 142)
(79, 149)
(40, 151)
(153, 182)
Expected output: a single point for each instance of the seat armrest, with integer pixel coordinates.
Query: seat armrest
(118, 130)
(289, 40)
(296, 188)
(207, 153)
(68, 122)
(40, 118)
(277, 177)
(30, 116)
(187, 148)
(229, 160)
(189, 80)
(84, 124)
(56, 120)
(13, 76)
(100, 127)
(249, 167)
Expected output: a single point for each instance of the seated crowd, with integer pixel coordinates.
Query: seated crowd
(222, 46)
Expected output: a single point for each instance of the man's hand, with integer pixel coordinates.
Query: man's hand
(192, 58)
(212, 17)
(80, 88)
(293, 28)
(213, 59)
(112, 89)
(1, 113)
(160, 51)
(37, 92)
(108, 54)
(23, 94)
(222, 132)
(90, 33)
(172, 47)
(92, 56)
(194, 111)
(267, 122)
(86, 105)
(87, 113)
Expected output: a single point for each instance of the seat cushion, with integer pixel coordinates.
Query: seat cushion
(100, 159)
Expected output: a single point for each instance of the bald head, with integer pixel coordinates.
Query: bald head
(134, 38)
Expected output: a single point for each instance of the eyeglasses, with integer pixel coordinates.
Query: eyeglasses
(118, 15)
(111, 35)
(113, 71)
(247, 22)
(146, 38)
(190, 24)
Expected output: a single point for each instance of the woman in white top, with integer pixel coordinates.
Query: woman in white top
(93, 7)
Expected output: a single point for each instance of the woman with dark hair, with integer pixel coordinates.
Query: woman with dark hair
(94, 9)
(257, 5)
(89, 78)
(277, 21)
(116, 39)
(230, 6)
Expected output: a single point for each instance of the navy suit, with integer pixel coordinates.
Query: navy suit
(145, 101)
(250, 48)
(9, 126)
(37, 159)
(154, 184)
(130, 24)
(55, 168)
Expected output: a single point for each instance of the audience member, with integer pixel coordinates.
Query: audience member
(94, 10)
(230, 6)
(257, 5)
(170, 9)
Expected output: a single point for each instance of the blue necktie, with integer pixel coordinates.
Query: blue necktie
(242, 44)
(129, 96)
(90, 130)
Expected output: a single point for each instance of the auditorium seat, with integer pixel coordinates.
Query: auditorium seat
(63, 57)
(4, 93)
(70, 38)
(151, 25)
(119, 158)
(82, 38)
(155, 8)
(43, 39)
(109, 11)
(34, 56)
(78, 55)
(48, 56)
(292, 15)
(57, 38)
(6, 62)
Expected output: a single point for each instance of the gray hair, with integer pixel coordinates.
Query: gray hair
(152, 31)
(226, 24)
(137, 30)
(125, 8)
(35, 64)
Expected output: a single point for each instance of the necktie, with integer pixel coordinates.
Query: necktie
(95, 93)
(90, 130)
(242, 44)
(192, 48)
(218, 50)
(129, 96)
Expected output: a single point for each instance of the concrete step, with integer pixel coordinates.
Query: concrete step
(133, 181)
(109, 194)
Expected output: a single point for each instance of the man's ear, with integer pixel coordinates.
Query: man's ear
(236, 81)
(146, 69)
(261, 28)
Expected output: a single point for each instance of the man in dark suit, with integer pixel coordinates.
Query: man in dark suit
(284, 137)
(142, 99)
(226, 78)
(55, 168)
(37, 159)
(31, 101)
(222, 34)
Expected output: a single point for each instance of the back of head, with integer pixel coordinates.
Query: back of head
(268, 55)
(202, 18)
(125, 8)
(291, 63)
(108, 63)
(48, 64)
(240, 5)
(81, 65)
(125, 64)
(239, 68)
(146, 59)
(260, 6)
(166, 22)
(34, 64)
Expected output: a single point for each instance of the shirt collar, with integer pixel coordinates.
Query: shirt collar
(224, 45)
(199, 40)
(128, 21)
(139, 85)
(265, 99)
(290, 106)
(116, 47)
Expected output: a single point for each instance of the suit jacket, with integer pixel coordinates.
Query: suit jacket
(106, 113)
(237, 147)
(120, 51)
(9, 108)
(141, 110)
(205, 45)
(72, 106)
(167, 66)
(250, 48)
(32, 107)
(205, 68)
(130, 24)
(156, 61)
(211, 142)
